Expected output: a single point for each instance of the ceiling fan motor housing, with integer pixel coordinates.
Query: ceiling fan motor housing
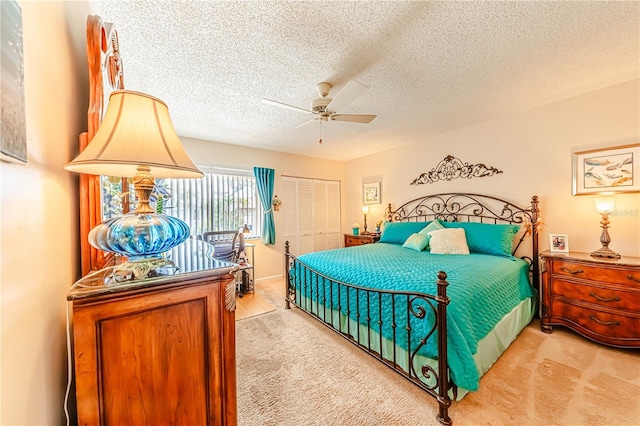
(319, 105)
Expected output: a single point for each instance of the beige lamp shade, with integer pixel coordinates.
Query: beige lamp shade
(136, 131)
(605, 204)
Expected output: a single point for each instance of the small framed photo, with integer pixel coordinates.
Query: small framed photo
(615, 169)
(559, 243)
(371, 193)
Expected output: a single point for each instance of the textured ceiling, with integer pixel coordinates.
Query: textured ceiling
(431, 67)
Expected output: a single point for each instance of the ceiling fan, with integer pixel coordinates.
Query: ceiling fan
(325, 108)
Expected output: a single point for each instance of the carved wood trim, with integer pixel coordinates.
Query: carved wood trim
(230, 296)
(105, 76)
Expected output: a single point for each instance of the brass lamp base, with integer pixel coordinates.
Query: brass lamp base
(606, 252)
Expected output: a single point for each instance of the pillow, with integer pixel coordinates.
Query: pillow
(488, 238)
(416, 242)
(398, 232)
(448, 241)
(431, 227)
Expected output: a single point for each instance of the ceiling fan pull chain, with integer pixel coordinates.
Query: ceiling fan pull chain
(320, 141)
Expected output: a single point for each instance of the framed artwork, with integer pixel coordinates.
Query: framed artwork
(559, 243)
(371, 192)
(615, 169)
(13, 138)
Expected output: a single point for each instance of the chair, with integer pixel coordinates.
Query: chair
(225, 244)
(229, 246)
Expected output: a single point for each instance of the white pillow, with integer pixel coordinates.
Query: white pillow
(448, 241)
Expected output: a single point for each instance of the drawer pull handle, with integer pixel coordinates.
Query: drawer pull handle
(577, 271)
(605, 299)
(632, 278)
(604, 322)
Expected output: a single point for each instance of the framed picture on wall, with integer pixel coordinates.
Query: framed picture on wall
(615, 169)
(371, 193)
(13, 137)
(559, 243)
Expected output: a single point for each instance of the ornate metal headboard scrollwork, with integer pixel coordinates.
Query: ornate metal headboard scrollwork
(460, 207)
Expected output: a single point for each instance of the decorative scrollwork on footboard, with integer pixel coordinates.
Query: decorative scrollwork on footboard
(405, 331)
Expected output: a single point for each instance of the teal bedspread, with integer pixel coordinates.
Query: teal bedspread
(482, 289)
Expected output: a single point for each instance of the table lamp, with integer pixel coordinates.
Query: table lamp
(604, 205)
(137, 138)
(365, 210)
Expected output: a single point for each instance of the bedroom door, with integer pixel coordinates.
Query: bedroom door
(311, 210)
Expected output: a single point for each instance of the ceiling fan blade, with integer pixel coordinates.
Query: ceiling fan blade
(280, 104)
(354, 118)
(348, 94)
(307, 122)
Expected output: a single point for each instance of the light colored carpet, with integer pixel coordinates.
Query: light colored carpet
(294, 371)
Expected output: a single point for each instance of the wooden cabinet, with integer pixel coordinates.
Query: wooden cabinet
(351, 240)
(157, 351)
(598, 298)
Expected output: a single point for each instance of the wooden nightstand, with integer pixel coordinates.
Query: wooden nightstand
(351, 240)
(598, 298)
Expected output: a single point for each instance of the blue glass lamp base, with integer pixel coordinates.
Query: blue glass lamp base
(139, 236)
(142, 238)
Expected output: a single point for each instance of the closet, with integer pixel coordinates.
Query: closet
(311, 213)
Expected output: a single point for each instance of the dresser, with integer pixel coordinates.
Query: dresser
(598, 298)
(351, 240)
(158, 350)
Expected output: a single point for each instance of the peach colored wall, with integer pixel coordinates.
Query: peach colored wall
(39, 226)
(268, 259)
(534, 150)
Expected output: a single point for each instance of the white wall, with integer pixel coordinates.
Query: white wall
(269, 260)
(39, 212)
(534, 150)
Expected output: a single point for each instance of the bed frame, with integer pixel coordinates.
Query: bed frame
(445, 207)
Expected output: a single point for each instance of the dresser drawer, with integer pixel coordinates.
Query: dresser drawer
(358, 240)
(352, 241)
(616, 298)
(604, 273)
(598, 324)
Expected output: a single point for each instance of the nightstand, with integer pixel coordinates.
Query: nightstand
(598, 298)
(351, 240)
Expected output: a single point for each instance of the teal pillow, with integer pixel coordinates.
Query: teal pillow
(398, 232)
(416, 242)
(488, 238)
(434, 225)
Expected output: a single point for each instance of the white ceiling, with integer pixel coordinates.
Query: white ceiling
(431, 67)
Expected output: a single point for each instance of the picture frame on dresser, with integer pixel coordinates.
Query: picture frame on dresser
(615, 169)
(559, 243)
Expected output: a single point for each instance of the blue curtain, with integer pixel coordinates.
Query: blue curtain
(264, 181)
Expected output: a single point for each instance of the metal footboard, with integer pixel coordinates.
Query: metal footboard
(356, 314)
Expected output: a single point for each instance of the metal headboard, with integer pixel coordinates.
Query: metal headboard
(460, 207)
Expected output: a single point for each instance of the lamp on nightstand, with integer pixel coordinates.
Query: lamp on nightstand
(365, 210)
(604, 205)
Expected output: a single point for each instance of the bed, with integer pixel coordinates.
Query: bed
(439, 314)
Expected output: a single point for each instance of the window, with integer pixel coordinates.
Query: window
(221, 200)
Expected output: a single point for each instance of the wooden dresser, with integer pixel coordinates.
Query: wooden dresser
(597, 298)
(351, 240)
(160, 350)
